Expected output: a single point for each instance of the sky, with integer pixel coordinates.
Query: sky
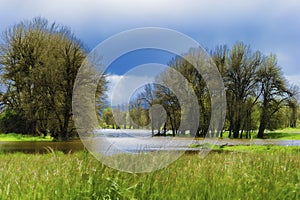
(271, 26)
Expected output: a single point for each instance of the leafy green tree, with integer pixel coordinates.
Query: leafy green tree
(240, 81)
(108, 118)
(293, 106)
(166, 98)
(39, 63)
(198, 85)
(274, 91)
(139, 115)
(11, 122)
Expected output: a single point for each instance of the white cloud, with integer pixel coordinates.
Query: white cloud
(122, 87)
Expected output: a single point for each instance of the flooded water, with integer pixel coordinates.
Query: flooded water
(132, 141)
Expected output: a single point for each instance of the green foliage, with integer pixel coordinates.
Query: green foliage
(274, 93)
(241, 67)
(258, 96)
(10, 121)
(107, 118)
(39, 63)
(270, 174)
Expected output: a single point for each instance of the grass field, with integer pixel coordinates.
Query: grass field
(280, 134)
(284, 134)
(273, 174)
(10, 137)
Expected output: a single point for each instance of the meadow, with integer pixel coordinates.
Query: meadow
(255, 174)
(280, 134)
(11, 137)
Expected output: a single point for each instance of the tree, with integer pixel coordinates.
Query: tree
(108, 118)
(240, 81)
(293, 106)
(138, 114)
(169, 101)
(198, 85)
(147, 97)
(220, 59)
(39, 63)
(273, 91)
(255, 88)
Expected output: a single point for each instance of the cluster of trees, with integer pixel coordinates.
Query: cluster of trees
(39, 63)
(258, 96)
(254, 85)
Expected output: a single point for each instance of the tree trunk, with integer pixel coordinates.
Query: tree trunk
(64, 131)
(230, 128)
(241, 134)
(165, 129)
(261, 130)
(262, 125)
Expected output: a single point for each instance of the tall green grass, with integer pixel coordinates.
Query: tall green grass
(251, 175)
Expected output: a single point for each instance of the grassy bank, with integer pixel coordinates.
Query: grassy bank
(280, 134)
(10, 137)
(260, 148)
(247, 148)
(284, 134)
(253, 175)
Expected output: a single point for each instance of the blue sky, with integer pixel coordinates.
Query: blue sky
(267, 25)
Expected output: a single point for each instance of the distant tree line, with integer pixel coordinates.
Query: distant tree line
(258, 96)
(39, 62)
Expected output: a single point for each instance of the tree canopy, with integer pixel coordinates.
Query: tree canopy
(39, 63)
(257, 93)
